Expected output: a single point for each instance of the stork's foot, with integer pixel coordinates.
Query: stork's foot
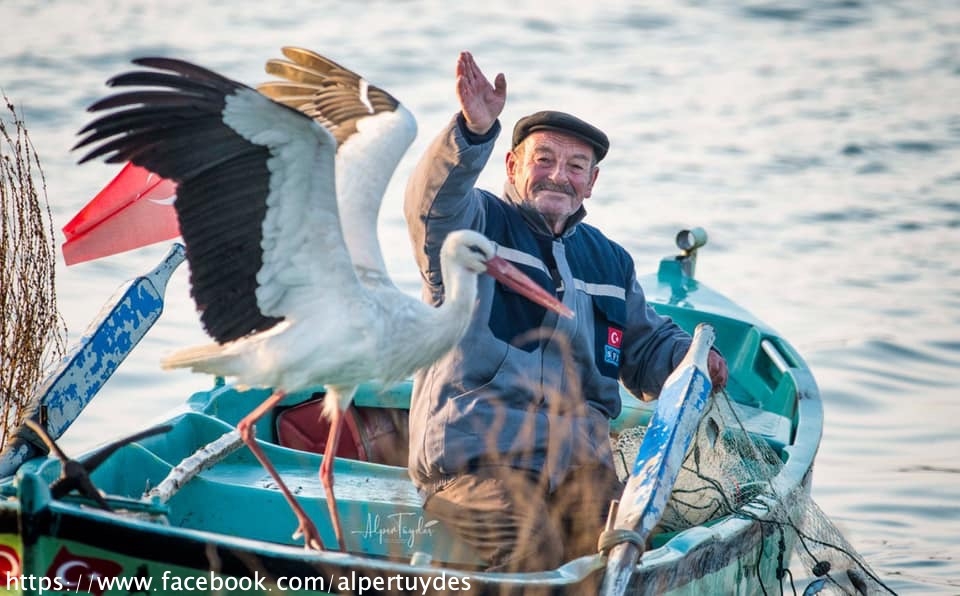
(311, 537)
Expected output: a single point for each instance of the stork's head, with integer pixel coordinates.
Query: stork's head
(478, 254)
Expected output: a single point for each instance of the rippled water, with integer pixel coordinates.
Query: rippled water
(816, 141)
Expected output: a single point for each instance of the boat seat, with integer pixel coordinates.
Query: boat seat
(377, 435)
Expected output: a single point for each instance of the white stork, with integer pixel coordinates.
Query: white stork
(270, 271)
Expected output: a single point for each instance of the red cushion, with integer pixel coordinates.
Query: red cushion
(377, 435)
(304, 427)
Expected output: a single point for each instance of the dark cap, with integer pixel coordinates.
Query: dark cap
(565, 123)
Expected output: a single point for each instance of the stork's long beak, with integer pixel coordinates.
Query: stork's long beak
(507, 274)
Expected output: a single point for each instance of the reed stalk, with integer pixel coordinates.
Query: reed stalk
(32, 332)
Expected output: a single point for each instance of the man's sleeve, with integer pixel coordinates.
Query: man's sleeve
(653, 346)
(440, 195)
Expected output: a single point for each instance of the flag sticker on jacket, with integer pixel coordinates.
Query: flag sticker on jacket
(611, 352)
(614, 337)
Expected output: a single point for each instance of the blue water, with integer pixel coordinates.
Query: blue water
(817, 141)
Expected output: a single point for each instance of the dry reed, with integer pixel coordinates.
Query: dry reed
(32, 332)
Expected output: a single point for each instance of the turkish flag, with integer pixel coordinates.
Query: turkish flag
(135, 209)
(614, 337)
(79, 573)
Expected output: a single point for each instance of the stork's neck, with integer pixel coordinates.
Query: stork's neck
(459, 296)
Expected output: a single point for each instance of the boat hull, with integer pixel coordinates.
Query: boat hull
(227, 530)
(65, 548)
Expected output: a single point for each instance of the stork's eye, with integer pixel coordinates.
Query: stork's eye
(477, 249)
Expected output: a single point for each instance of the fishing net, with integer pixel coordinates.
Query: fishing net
(32, 333)
(725, 469)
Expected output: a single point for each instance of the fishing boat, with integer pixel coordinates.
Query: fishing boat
(180, 507)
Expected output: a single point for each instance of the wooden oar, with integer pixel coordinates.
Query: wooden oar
(668, 437)
(121, 324)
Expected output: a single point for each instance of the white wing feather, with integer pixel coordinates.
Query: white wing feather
(304, 254)
(365, 163)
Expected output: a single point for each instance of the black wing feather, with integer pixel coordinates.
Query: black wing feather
(175, 129)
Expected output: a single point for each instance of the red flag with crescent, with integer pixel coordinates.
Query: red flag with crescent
(79, 573)
(135, 209)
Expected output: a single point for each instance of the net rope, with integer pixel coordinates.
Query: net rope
(725, 469)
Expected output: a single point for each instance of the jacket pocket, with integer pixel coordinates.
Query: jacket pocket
(610, 319)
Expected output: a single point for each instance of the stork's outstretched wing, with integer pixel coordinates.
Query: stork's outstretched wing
(255, 198)
(373, 130)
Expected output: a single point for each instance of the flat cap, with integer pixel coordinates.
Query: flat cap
(565, 123)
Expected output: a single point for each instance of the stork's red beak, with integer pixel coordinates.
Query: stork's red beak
(507, 274)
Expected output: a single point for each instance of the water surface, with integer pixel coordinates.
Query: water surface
(817, 142)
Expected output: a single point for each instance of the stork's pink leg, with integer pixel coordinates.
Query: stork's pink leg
(326, 473)
(311, 537)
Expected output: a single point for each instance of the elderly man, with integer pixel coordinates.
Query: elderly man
(509, 432)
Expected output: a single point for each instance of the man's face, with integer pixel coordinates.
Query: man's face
(553, 172)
